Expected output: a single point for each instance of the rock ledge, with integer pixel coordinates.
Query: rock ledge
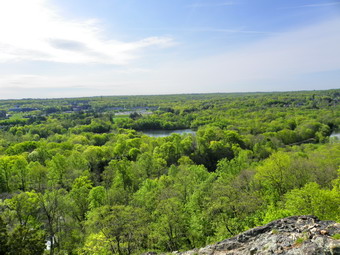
(292, 235)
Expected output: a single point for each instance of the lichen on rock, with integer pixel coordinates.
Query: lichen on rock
(293, 235)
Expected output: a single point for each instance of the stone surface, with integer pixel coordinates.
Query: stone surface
(290, 236)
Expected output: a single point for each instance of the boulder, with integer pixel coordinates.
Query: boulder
(295, 235)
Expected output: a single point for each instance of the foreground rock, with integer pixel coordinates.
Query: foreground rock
(293, 235)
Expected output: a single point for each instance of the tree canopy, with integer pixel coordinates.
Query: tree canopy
(79, 176)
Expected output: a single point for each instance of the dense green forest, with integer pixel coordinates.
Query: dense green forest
(79, 176)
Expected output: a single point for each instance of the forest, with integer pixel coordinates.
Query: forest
(80, 176)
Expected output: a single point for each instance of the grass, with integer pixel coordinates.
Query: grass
(275, 231)
(300, 240)
(336, 236)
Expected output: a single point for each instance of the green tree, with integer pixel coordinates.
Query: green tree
(25, 208)
(37, 175)
(79, 196)
(4, 249)
(97, 197)
(6, 173)
(58, 171)
(311, 199)
(273, 175)
(52, 205)
(26, 241)
(170, 228)
(20, 170)
(230, 204)
(124, 227)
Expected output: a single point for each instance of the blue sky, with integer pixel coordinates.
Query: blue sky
(73, 48)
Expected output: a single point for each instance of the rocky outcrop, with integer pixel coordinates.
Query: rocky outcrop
(294, 235)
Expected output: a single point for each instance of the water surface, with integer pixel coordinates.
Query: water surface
(336, 134)
(164, 133)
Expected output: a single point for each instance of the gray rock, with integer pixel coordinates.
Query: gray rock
(293, 235)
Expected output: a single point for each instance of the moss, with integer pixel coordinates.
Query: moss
(336, 236)
(300, 240)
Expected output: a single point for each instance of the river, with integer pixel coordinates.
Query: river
(336, 134)
(164, 133)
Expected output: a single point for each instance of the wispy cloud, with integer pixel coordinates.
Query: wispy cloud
(35, 31)
(202, 5)
(230, 31)
(238, 30)
(316, 5)
(321, 4)
(277, 59)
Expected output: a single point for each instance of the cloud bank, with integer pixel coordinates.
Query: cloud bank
(35, 31)
(306, 57)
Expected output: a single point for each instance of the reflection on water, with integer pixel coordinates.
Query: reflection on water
(164, 133)
(336, 134)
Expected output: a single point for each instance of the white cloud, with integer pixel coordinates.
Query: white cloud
(321, 4)
(275, 58)
(242, 30)
(315, 5)
(278, 62)
(34, 30)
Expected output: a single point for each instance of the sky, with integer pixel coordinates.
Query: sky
(76, 48)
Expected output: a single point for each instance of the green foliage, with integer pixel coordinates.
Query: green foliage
(97, 197)
(77, 174)
(313, 200)
(336, 236)
(79, 197)
(23, 208)
(3, 237)
(299, 241)
(170, 228)
(274, 176)
(96, 244)
(26, 241)
(122, 227)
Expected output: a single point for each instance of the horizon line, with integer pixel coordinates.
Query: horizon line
(166, 94)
